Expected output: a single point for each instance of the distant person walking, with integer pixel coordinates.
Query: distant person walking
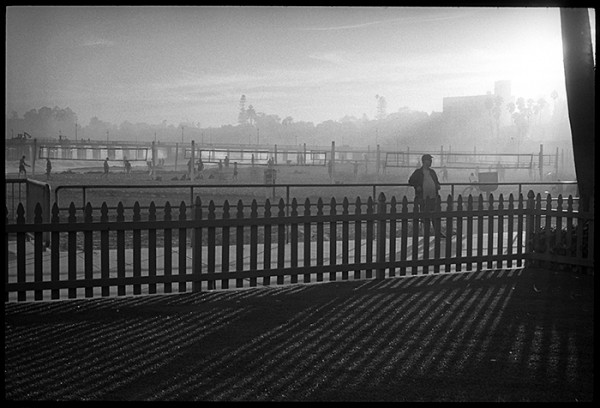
(200, 168)
(235, 171)
(190, 169)
(48, 168)
(426, 184)
(127, 167)
(106, 168)
(22, 166)
(444, 174)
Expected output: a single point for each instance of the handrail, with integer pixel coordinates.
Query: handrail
(288, 186)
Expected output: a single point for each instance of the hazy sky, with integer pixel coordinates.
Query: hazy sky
(192, 64)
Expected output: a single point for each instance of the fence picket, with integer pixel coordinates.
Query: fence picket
(320, 239)
(510, 231)
(152, 247)
(437, 245)
(449, 227)
(381, 235)
(281, 239)
(197, 248)
(88, 251)
(137, 249)
(480, 232)
(490, 232)
(253, 241)
(500, 221)
(345, 236)
(239, 244)
(459, 228)
(38, 251)
(426, 220)
(267, 245)
(404, 234)
(392, 250)
(72, 251)
(369, 236)
(21, 237)
(182, 247)
(211, 241)
(307, 235)
(332, 238)
(357, 237)
(569, 221)
(415, 236)
(294, 241)
(225, 246)
(520, 229)
(469, 237)
(548, 224)
(168, 244)
(104, 248)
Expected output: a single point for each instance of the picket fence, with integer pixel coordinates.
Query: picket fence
(89, 257)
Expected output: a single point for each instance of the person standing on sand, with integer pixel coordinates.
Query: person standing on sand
(48, 168)
(426, 184)
(22, 166)
(106, 167)
(235, 171)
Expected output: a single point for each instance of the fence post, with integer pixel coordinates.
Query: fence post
(381, 211)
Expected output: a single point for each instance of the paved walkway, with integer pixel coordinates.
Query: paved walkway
(508, 335)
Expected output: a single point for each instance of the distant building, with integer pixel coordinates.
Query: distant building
(475, 106)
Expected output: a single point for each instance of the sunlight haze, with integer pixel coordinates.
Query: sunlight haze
(192, 64)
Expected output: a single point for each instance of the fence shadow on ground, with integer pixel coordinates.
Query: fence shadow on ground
(514, 335)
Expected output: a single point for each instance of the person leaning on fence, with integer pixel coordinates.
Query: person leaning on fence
(426, 184)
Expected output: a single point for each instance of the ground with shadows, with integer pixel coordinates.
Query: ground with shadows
(520, 335)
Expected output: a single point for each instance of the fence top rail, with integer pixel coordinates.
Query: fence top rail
(250, 185)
